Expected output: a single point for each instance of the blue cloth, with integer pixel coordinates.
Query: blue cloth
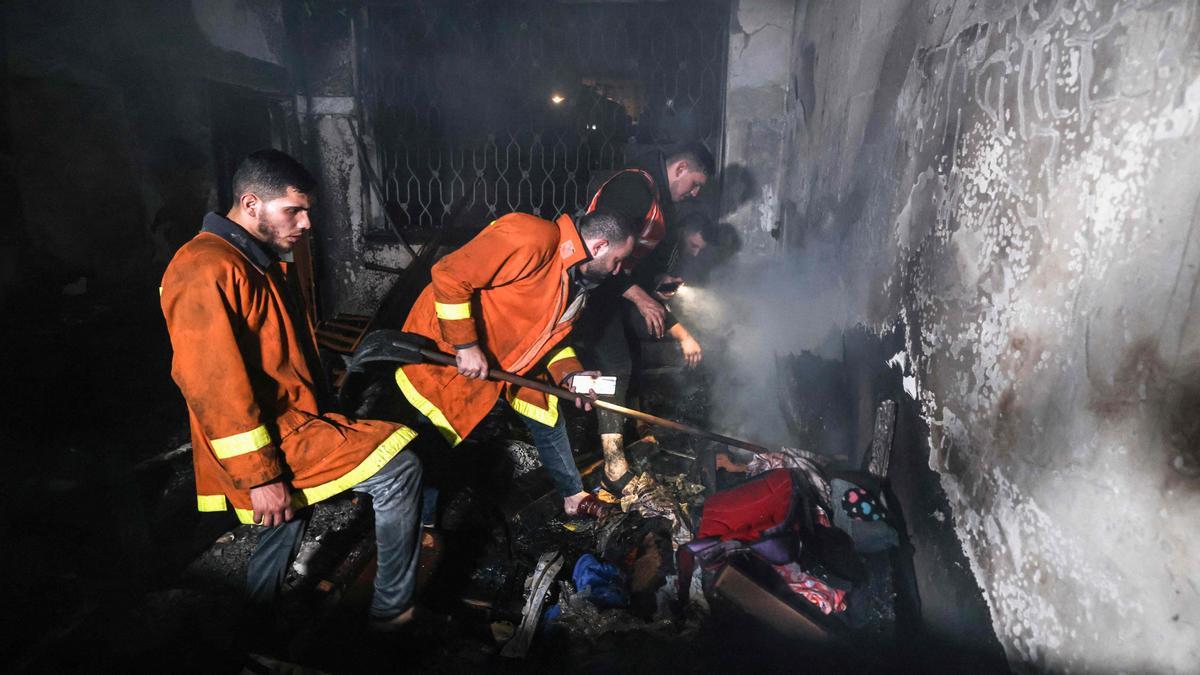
(603, 581)
(554, 449)
(870, 536)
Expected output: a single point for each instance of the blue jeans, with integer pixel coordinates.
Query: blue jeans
(554, 449)
(396, 497)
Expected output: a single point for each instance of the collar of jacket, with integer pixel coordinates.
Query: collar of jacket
(658, 171)
(253, 249)
(571, 249)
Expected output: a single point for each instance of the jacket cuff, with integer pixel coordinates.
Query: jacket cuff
(254, 468)
(560, 369)
(458, 331)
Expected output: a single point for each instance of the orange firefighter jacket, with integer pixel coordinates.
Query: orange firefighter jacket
(245, 360)
(508, 291)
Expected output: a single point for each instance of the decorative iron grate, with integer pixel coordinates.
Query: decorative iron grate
(484, 108)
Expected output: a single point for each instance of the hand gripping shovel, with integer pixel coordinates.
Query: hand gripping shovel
(396, 346)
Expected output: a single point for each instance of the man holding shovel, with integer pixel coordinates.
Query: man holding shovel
(507, 299)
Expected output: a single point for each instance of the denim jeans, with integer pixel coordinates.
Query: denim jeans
(396, 497)
(554, 449)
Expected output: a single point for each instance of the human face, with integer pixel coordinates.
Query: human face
(685, 183)
(283, 220)
(607, 258)
(693, 243)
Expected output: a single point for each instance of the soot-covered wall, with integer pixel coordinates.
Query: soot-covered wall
(1018, 184)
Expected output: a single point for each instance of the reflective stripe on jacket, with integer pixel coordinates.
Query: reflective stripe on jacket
(244, 358)
(506, 290)
(654, 223)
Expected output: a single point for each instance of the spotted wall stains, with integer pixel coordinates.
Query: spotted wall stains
(1031, 176)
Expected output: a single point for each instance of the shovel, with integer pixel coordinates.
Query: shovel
(397, 346)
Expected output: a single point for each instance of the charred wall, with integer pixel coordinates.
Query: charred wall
(1016, 185)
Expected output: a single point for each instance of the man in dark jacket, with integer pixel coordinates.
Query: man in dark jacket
(647, 194)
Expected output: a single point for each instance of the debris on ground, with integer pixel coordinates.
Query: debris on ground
(528, 582)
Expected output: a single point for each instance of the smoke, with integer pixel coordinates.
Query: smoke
(754, 309)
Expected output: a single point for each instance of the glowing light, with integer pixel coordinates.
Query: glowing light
(557, 99)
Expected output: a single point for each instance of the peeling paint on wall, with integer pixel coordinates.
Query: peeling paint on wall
(1030, 193)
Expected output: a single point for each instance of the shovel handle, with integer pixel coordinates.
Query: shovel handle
(505, 376)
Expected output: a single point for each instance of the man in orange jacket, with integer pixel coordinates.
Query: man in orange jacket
(246, 361)
(508, 298)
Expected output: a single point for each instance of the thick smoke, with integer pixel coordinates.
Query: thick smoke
(752, 310)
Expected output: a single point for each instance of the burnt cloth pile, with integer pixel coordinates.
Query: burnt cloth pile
(776, 532)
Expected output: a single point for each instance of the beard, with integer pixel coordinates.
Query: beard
(591, 276)
(279, 244)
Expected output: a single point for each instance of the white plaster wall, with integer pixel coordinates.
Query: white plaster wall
(755, 108)
(1020, 184)
(250, 27)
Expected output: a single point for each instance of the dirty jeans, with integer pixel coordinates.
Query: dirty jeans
(554, 449)
(395, 495)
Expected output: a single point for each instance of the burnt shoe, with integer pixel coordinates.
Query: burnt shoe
(616, 487)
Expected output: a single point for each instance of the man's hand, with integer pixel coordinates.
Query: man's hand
(652, 311)
(654, 314)
(272, 503)
(691, 349)
(692, 353)
(581, 401)
(472, 362)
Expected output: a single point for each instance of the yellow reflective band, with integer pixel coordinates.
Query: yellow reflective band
(549, 416)
(427, 409)
(210, 503)
(379, 457)
(160, 291)
(451, 312)
(240, 444)
(564, 353)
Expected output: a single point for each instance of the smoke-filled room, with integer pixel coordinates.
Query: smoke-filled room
(600, 336)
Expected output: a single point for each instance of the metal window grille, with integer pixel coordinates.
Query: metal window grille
(483, 108)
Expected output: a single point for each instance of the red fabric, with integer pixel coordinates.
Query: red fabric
(744, 512)
(825, 597)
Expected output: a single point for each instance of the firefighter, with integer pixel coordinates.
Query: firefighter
(264, 440)
(647, 194)
(508, 299)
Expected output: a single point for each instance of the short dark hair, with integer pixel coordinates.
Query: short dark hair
(605, 225)
(700, 221)
(269, 173)
(696, 154)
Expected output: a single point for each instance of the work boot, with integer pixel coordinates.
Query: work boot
(616, 467)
